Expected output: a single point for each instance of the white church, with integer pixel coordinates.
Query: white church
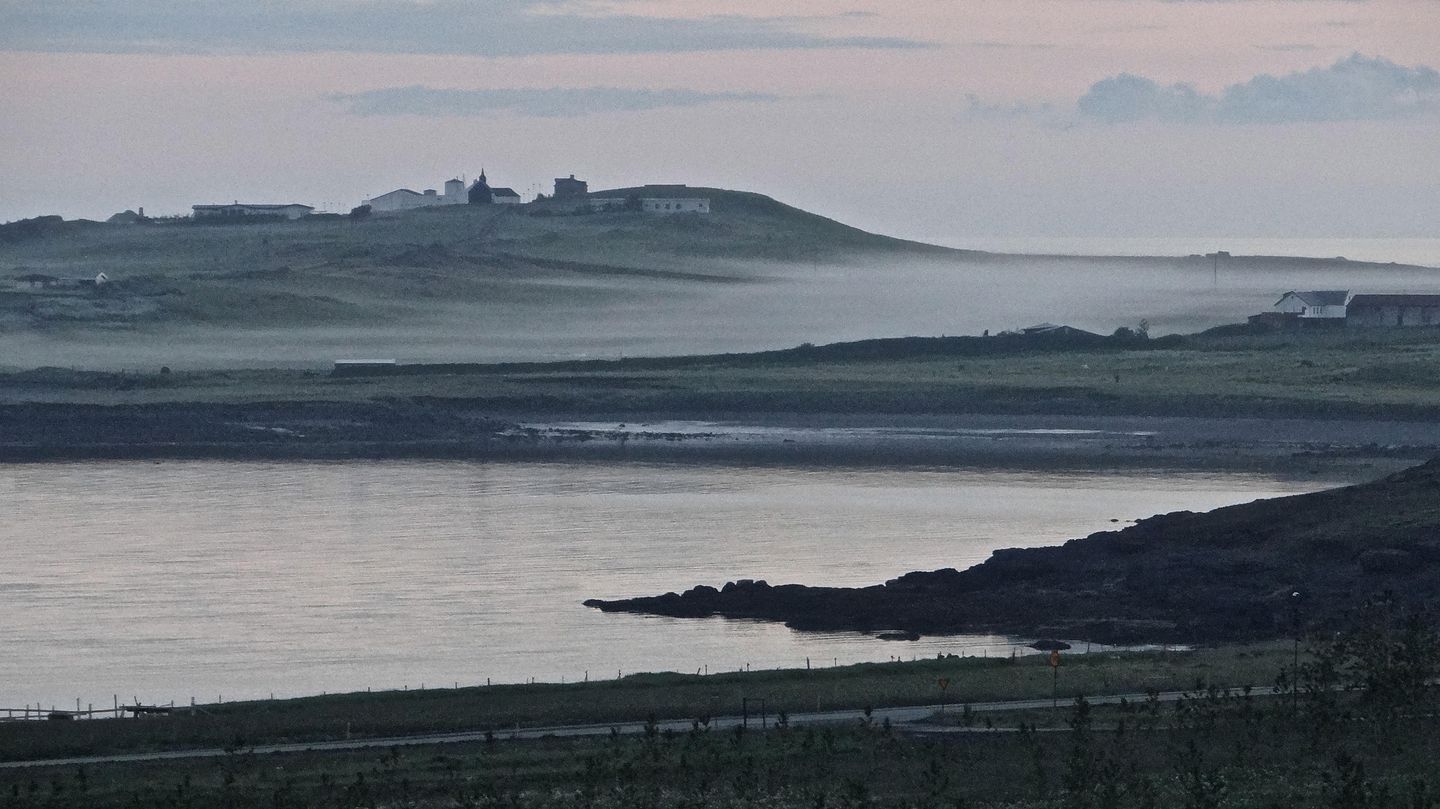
(403, 199)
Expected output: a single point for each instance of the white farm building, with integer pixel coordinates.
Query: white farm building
(1324, 304)
(403, 199)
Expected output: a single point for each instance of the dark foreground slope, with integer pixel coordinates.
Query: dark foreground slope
(1224, 575)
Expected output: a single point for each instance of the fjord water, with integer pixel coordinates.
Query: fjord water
(163, 581)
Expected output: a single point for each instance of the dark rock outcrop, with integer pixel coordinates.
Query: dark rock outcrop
(1229, 574)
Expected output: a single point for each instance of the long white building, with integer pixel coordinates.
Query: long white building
(403, 199)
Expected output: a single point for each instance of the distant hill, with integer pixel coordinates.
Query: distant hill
(332, 271)
(532, 282)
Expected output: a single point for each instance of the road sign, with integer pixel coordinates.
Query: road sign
(943, 682)
(1055, 659)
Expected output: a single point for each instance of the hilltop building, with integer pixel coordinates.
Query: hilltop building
(570, 187)
(480, 193)
(403, 199)
(240, 211)
(657, 205)
(655, 199)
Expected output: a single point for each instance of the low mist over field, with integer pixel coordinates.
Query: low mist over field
(480, 284)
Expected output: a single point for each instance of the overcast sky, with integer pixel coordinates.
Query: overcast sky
(944, 118)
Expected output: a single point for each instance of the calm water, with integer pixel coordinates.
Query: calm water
(169, 580)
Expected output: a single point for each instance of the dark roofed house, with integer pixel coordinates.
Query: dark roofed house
(481, 193)
(570, 187)
(1051, 328)
(1320, 304)
(1059, 333)
(1393, 311)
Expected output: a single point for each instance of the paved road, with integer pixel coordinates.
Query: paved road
(905, 717)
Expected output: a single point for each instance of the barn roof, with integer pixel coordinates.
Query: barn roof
(1361, 301)
(1321, 297)
(503, 192)
(1051, 329)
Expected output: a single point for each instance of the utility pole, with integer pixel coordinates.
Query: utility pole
(1055, 687)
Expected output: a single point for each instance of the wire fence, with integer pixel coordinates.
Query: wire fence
(137, 710)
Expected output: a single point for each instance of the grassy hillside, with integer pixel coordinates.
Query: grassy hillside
(393, 267)
(1379, 375)
(747, 225)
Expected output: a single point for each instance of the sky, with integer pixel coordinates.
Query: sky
(923, 118)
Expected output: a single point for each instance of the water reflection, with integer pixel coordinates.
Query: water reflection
(169, 580)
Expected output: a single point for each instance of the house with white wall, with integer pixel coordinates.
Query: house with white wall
(1326, 304)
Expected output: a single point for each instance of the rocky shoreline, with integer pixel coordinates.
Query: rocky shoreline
(1246, 572)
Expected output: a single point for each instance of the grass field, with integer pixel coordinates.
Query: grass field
(1209, 749)
(670, 696)
(1382, 375)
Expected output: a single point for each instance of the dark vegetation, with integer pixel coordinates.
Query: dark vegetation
(259, 429)
(1242, 572)
(41, 227)
(1348, 727)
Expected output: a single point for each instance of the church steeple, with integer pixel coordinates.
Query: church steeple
(480, 192)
